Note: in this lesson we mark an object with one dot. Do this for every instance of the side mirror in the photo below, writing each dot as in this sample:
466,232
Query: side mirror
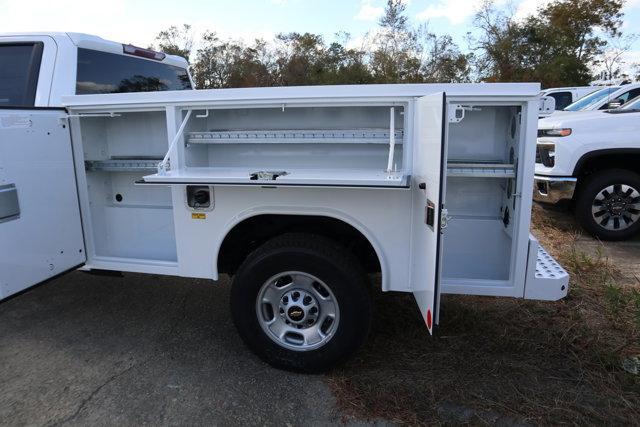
616,103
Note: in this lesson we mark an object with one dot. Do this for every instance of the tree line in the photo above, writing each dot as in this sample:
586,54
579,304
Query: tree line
560,45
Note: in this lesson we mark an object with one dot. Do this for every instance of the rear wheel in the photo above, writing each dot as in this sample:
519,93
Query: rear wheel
301,302
608,204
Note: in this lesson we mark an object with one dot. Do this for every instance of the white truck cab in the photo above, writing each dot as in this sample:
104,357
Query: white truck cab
564,96
296,192
38,69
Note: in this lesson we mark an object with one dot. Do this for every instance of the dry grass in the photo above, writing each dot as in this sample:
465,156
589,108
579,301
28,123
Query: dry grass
499,360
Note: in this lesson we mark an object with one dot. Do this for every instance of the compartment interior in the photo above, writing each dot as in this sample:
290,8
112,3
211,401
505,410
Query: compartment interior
303,145
319,144
480,186
128,221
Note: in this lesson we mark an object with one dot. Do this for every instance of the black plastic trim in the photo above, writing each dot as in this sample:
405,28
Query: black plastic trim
594,154
8,107
34,72
436,285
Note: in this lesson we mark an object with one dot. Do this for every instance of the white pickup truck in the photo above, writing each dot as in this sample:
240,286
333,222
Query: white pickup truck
607,98
565,96
592,160
38,69
295,192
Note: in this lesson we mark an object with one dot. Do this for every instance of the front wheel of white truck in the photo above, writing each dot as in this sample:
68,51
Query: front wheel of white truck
301,302
608,204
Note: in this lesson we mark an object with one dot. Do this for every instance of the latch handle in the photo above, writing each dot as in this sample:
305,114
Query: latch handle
9,205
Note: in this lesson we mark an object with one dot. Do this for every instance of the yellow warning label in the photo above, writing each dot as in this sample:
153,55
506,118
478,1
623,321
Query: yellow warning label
196,215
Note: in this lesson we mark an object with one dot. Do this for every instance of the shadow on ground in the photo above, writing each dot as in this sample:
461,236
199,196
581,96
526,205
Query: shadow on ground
141,350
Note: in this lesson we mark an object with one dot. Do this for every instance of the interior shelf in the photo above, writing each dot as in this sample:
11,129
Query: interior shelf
290,136
123,165
480,170
291,177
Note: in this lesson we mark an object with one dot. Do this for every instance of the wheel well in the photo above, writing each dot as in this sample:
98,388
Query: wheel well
605,159
249,234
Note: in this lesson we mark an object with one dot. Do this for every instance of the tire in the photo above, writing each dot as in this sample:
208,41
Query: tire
325,276
608,204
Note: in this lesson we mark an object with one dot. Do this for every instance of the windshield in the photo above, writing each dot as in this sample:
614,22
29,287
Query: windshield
591,99
634,104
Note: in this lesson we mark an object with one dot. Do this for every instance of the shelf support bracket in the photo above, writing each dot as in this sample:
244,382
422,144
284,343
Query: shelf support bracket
162,166
392,138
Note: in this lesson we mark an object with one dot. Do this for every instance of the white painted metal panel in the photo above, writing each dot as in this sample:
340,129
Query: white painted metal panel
313,94
46,238
426,187
321,176
546,279
381,215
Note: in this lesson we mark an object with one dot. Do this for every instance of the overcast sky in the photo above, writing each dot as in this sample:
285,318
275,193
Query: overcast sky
138,21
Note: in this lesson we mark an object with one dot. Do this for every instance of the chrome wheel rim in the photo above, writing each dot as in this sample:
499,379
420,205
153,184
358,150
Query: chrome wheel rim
297,311
616,207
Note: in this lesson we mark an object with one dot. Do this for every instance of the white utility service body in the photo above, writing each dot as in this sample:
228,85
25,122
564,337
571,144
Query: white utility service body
431,176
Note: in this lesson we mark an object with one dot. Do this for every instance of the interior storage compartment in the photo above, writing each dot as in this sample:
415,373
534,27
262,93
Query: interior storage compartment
128,221
477,249
480,195
347,145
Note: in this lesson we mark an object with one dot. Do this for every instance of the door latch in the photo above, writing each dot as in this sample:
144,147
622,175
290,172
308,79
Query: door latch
456,114
444,219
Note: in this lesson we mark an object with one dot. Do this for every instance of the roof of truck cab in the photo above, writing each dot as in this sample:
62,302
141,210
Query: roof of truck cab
301,93
90,41
571,88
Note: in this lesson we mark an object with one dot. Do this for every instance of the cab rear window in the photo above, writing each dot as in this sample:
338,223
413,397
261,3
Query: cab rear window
19,70
103,72
563,99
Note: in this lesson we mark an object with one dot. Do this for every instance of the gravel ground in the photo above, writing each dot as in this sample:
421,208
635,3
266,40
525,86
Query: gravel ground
141,349
144,349
624,255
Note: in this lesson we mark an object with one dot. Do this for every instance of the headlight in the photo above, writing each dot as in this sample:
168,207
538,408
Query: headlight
554,132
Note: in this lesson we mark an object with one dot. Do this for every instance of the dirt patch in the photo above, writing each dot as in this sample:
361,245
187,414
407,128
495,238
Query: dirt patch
505,361
624,256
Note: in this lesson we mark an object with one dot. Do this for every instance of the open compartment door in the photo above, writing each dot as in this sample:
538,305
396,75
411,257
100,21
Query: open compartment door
427,190
40,229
